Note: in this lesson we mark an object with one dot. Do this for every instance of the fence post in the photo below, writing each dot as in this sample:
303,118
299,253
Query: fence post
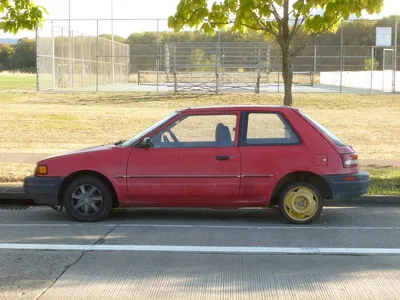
158,65
394,57
70,62
258,83
83,62
104,62
62,60
315,66
73,58
372,69
175,78
217,58
53,57
279,54
269,63
90,60
128,53
383,70
97,57
158,55
37,59
341,56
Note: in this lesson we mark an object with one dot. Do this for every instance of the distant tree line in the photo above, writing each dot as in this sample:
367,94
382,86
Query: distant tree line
143,46
21,56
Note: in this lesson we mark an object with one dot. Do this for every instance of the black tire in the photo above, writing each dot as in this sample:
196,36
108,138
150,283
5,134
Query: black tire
291,212
101,190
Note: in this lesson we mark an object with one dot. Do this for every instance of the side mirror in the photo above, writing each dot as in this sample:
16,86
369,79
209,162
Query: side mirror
146,143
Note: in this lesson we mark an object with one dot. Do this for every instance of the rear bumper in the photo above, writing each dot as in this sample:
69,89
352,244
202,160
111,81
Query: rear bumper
43,190
344,189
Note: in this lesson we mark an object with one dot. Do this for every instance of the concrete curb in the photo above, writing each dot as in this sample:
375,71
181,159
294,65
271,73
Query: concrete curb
372,200
14,195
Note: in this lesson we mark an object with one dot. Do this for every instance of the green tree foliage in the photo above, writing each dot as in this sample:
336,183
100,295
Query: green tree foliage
368,62
117,38
201,62
281,20
6,53
24,57
21,56
143,46
20,14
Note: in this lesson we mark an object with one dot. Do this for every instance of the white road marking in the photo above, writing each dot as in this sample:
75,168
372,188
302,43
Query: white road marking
300,227
205,249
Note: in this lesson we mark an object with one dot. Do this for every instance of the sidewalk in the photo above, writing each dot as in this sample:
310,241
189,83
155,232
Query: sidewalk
14,194
32,158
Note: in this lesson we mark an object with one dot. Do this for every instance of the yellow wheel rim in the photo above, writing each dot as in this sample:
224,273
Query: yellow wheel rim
301,203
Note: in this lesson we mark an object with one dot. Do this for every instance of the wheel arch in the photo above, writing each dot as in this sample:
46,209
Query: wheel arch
67,180
313,178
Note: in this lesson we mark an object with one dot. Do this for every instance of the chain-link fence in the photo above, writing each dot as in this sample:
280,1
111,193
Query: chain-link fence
68,59
150,57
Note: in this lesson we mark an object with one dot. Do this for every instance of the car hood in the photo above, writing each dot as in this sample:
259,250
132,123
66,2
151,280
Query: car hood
82,151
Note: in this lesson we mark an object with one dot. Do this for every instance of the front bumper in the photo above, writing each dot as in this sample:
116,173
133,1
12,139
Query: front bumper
344,189
43,190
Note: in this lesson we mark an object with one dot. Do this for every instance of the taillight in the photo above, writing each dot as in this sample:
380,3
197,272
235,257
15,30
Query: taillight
350,160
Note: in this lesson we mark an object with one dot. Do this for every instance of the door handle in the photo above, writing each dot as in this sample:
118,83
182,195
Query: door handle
224,157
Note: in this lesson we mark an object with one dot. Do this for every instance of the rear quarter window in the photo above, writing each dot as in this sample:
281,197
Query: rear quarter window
268,129
338,142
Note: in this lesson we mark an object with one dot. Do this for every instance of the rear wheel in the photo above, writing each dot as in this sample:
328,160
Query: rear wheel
300,202
87,199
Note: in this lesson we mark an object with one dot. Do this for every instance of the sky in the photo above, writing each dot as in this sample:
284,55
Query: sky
128,9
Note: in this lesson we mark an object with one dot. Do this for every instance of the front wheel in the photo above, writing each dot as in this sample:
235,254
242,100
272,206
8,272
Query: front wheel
300,202
87,199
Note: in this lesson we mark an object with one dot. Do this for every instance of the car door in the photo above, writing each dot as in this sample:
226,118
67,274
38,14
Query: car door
194,161
268,146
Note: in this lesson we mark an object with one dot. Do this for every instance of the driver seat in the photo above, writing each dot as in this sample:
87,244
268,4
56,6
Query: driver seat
223,135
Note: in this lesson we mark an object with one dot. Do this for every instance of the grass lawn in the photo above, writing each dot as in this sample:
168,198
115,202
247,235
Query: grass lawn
17,82
384,180
32,122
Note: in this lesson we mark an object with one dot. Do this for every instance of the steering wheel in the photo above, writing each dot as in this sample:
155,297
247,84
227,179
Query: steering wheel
173,136
166,140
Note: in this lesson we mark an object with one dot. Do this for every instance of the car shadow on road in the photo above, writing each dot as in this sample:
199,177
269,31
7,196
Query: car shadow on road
182,214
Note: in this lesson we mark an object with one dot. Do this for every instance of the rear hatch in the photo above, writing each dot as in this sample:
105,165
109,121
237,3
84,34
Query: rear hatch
347,153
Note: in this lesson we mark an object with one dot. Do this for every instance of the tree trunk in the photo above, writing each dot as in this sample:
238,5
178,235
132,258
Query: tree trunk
287,73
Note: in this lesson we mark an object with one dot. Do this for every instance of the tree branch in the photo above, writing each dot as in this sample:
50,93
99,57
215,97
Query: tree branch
276,15
311,36
285,33
231,22
294,29
301,47
274,33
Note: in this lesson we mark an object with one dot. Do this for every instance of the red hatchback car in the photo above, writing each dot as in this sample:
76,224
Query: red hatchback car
215,157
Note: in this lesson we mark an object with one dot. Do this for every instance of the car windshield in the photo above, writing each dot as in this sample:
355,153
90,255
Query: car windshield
338,142
137,137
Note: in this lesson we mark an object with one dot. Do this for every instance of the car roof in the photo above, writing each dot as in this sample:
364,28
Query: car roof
236,108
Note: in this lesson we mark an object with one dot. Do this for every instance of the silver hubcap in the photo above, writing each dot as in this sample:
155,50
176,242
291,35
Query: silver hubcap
87,200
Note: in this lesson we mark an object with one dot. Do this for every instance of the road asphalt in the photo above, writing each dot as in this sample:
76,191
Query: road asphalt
200,254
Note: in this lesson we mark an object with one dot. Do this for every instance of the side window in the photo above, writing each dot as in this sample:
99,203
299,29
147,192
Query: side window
198,131
269,129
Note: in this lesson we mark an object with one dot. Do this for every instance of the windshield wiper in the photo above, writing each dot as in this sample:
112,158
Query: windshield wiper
119,142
